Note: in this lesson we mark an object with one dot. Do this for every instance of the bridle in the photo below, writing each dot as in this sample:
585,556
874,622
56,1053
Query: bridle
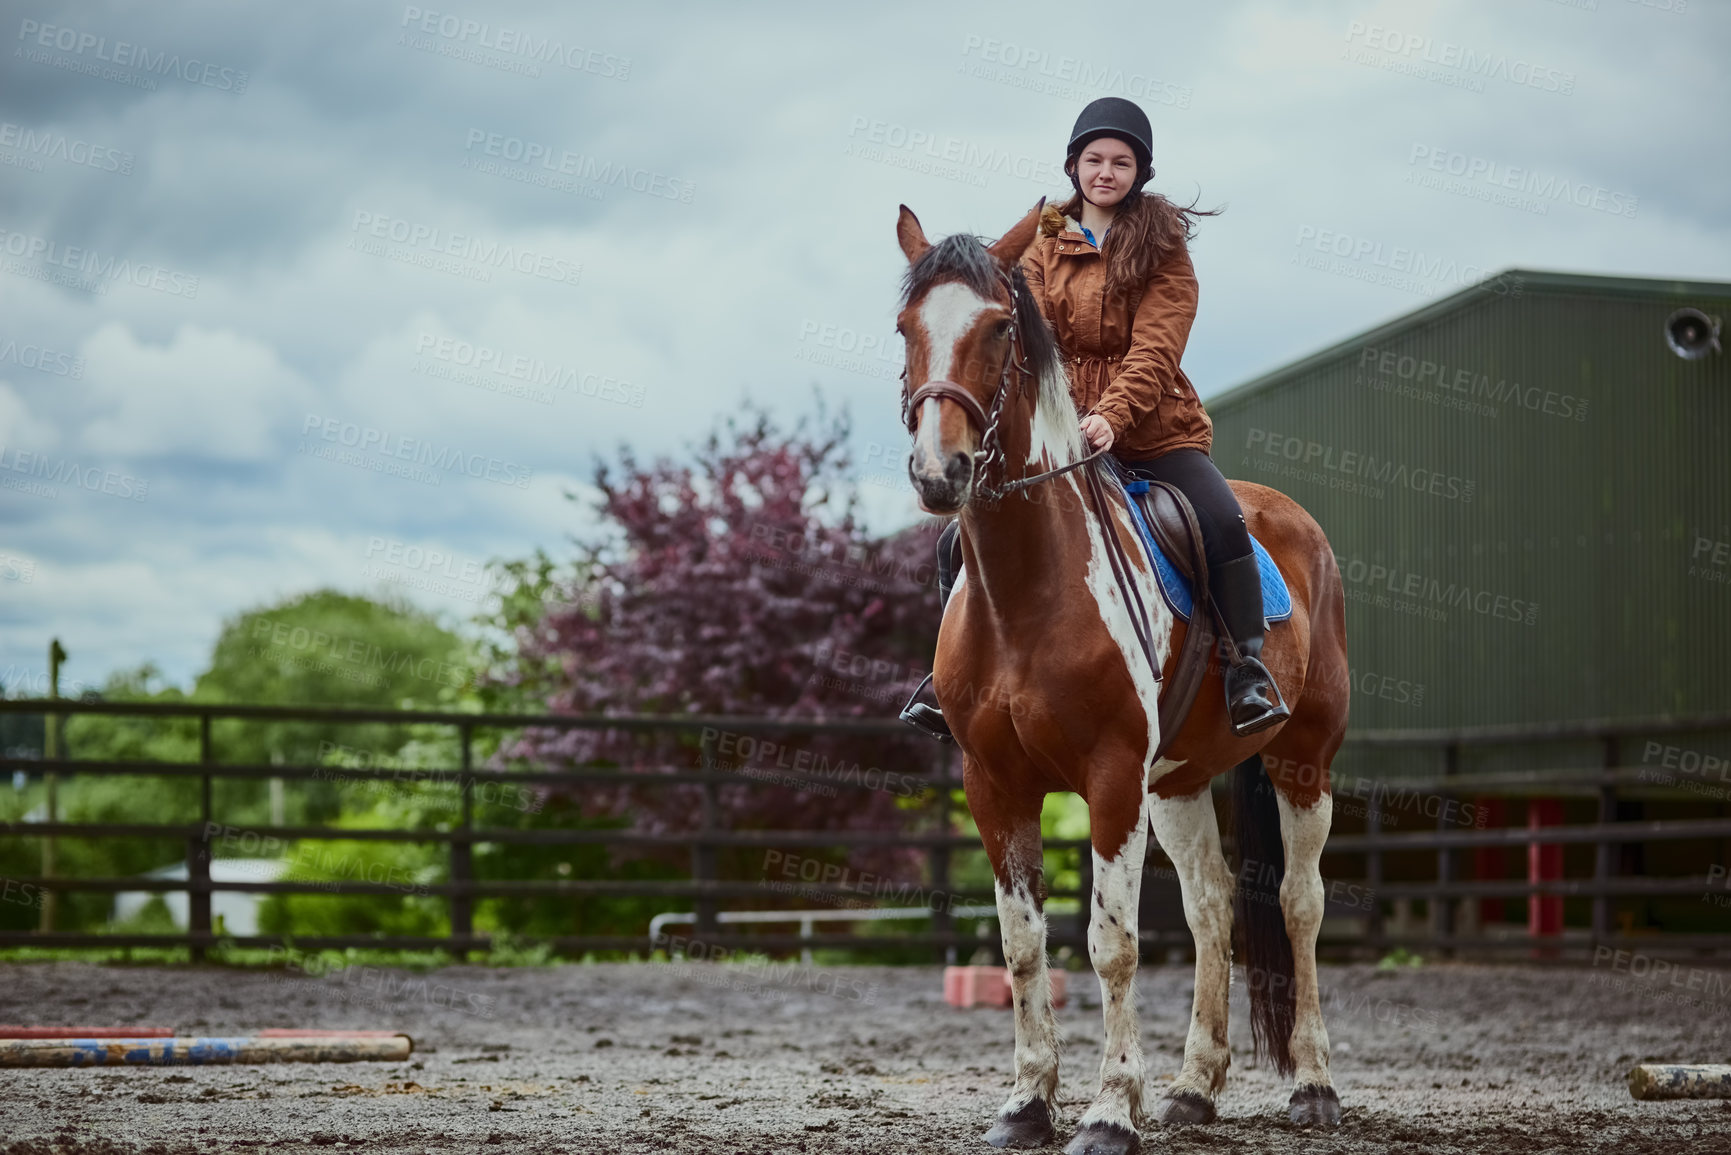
986,420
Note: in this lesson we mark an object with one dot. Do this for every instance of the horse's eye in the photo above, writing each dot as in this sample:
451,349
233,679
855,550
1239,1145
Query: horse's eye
1003,329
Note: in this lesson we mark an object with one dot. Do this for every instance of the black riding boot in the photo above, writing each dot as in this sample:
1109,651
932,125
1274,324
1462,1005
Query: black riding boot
923,716
1253,701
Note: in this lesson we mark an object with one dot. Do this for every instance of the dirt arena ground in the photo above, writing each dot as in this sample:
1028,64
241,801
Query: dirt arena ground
707,1058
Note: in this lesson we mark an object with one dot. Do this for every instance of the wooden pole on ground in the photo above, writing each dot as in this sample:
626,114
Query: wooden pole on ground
1680,1081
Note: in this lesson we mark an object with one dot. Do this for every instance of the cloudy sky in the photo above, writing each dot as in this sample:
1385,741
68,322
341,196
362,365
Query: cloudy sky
350,294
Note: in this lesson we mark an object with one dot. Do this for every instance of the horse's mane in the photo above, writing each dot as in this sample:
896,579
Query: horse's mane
963,257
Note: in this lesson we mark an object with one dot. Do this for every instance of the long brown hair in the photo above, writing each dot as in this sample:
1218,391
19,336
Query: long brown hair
1148,228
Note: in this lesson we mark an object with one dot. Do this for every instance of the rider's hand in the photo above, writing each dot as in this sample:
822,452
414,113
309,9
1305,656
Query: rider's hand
1096,432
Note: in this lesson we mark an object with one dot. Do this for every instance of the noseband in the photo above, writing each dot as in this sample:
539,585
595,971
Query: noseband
984,420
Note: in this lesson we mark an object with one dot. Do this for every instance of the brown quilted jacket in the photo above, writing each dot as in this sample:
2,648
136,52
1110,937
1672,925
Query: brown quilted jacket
1123,354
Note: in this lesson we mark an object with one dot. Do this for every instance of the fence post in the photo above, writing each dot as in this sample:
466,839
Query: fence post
1373,865
51,782
1603,864
703,857
198,853
1443,905
463,851
1085,887
942,924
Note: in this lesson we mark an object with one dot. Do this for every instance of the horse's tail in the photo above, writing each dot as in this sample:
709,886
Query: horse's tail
1261,924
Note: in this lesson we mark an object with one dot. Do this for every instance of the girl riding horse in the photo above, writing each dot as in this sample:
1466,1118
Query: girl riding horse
1111,274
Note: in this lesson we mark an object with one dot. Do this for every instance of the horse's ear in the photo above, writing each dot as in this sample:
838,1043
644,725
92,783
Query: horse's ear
1013,244
912,237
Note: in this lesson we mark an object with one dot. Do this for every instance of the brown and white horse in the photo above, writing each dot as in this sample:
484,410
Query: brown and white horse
1043,681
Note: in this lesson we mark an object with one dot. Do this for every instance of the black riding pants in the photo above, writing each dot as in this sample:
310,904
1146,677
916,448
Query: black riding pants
1224,535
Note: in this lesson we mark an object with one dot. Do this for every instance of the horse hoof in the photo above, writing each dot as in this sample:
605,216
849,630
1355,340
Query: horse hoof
1104,1139
1184,1108
1315,1105
1028,1126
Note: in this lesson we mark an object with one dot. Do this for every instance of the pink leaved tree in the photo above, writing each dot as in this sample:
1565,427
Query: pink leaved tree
740,582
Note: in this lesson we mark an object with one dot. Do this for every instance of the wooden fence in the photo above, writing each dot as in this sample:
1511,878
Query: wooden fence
1380,896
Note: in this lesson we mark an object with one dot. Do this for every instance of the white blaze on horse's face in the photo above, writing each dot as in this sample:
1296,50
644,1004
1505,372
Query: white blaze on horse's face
946,321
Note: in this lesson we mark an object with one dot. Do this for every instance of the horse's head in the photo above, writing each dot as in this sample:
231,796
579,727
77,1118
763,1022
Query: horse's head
964,310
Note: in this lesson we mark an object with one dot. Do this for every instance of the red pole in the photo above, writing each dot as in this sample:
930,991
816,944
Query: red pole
1544,864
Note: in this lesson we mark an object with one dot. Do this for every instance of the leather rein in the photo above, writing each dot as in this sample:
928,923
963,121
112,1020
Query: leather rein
991,453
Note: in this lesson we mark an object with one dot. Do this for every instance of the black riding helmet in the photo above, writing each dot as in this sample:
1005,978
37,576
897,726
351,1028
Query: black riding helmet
1117,117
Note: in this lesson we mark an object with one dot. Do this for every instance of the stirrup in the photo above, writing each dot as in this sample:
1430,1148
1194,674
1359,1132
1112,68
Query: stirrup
928,720
1248,682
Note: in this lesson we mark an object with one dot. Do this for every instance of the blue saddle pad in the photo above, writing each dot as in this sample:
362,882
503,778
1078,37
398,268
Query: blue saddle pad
1276,598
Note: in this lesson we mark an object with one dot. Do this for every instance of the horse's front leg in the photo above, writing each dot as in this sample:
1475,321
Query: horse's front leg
1109,1127
1010,828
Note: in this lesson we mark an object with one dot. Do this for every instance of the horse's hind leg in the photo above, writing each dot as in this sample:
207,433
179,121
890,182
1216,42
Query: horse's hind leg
1304,829
1011,834
1187,831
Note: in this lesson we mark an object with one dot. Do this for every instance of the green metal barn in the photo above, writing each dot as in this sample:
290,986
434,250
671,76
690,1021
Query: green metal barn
1528,487
1529,492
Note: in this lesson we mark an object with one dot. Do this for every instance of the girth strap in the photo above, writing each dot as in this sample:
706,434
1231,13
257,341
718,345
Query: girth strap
1180,536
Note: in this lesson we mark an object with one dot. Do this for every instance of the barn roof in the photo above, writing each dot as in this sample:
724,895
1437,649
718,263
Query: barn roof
1530,281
